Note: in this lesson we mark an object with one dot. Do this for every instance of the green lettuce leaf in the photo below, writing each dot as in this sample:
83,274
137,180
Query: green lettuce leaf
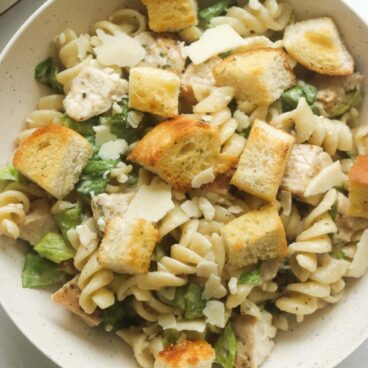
46,72
69,219
214,10
95,176
84,128
225,348
53,247
38,272
10,173
250,278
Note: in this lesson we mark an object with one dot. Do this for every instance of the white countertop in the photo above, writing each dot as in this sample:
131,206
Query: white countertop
15,350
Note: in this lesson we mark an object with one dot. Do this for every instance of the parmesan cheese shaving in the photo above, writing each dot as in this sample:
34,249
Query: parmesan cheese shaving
152,202
213,288
214,41
103,135
113,149
215,313
204,177
329,177
119,49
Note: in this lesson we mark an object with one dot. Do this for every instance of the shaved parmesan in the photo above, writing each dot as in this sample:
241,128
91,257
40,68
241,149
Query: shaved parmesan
206,268
204,177
103,135
329,177
213,288
214,41
119,49
215,313
168,321
152,202
113,149
191,209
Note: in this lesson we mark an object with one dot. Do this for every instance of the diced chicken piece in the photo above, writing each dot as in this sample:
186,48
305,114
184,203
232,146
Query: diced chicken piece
254,340
306,161
105,206
68,297
333,93
188,354
93,92
346,227
198,74
38,222
161,52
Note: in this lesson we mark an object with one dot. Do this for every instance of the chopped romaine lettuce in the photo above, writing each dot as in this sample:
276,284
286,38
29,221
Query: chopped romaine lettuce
46,72
39,272
225,348
84,128
309,91
333,211
69,219
113,316
95,176
133,176
350,100
10,173
53,247
291,97
172,337
188,298
214,10
250,278
245,132
194,304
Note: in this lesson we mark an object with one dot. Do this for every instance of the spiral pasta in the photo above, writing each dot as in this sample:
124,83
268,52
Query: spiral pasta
333,135
145,350
256,17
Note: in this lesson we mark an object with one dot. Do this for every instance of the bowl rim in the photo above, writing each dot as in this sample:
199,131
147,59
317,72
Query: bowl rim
7,309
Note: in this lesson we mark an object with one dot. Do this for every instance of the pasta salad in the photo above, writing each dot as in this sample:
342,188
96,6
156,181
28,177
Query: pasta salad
196,180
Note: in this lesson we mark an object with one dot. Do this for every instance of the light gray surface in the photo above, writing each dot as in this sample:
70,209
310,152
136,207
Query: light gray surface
15,350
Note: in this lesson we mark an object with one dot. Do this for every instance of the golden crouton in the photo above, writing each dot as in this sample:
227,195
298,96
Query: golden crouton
259,76
316,44
256,236
358,194
179,149
188,354
171,15
154,90
68,297
263,161
53,157
128,245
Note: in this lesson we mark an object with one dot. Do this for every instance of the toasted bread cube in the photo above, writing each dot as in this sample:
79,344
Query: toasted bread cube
306,161
259,76
263,161
316,44
68,297
38,222
198,74
256,236
358,194
154,90
128,245
171,15
53,157
188,354
179,149
254,338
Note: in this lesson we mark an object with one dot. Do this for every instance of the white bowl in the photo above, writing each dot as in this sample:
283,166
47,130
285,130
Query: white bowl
322,341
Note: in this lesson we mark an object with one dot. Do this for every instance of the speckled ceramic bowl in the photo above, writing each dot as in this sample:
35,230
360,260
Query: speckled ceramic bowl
321,342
